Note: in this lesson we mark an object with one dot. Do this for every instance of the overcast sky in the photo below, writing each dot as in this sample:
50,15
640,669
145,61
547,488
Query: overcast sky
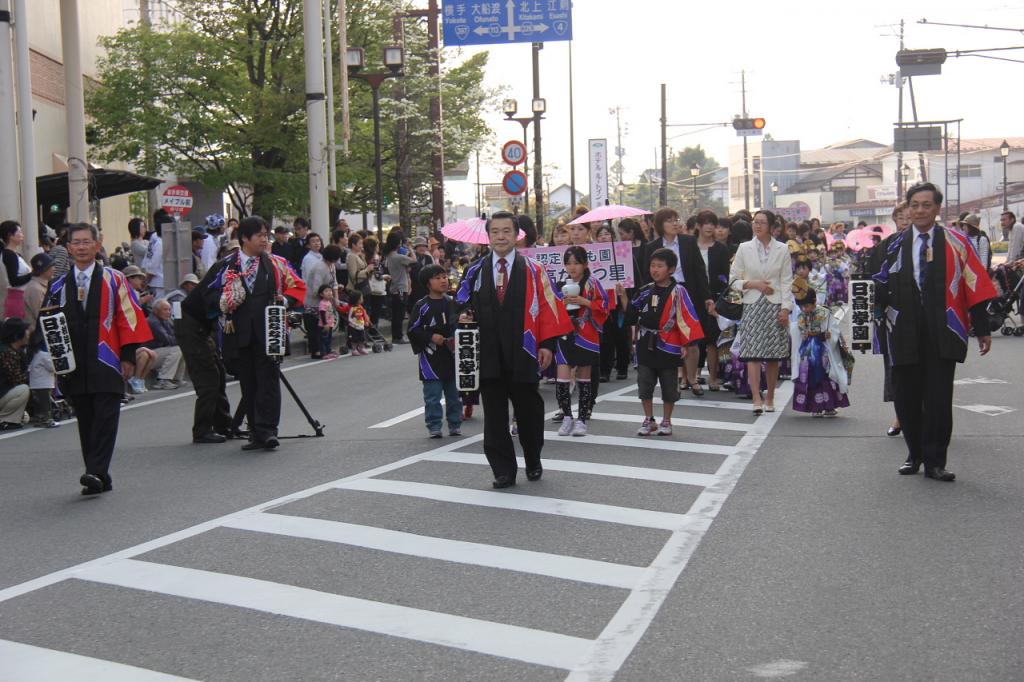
813,70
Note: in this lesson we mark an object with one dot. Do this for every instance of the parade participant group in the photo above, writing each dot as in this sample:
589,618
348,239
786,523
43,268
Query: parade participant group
748,297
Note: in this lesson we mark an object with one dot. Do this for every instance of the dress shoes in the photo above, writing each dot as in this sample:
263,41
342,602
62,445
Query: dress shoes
504,482
909,468
894,431
210,437
235,434
92,484
268,444
534,474
939,474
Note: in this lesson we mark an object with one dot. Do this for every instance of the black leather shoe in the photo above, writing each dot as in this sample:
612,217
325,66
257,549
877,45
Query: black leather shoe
210,437
504,482
235,434
108,483
254,445
534,474
271,444
909,468
894,431
93,484
939,474
604,378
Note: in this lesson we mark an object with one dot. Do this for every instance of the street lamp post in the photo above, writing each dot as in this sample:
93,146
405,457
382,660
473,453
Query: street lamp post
510,107
694,172
621,189
1004,151
905,174
775,191
394,59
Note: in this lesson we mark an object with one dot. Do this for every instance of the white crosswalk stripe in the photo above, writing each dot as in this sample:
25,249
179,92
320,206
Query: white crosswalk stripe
582,658
24,662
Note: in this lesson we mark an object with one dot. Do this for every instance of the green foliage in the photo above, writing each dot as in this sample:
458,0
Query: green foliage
644,194
219,98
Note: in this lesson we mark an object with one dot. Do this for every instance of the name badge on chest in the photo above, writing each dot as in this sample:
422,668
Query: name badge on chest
81,294
500,281
655,300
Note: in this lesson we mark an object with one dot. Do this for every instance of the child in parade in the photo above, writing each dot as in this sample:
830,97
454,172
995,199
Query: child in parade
588,305
358,318
42,379
839,265
818,276
328,320
821,381
666,322
431,328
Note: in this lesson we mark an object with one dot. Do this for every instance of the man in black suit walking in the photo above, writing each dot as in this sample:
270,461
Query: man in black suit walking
932,288
249,281
107,326
519,313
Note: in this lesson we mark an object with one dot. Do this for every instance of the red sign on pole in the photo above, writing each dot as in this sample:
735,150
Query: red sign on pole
177,200
513,153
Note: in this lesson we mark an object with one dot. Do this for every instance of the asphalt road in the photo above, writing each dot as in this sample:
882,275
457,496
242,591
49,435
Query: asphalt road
739,548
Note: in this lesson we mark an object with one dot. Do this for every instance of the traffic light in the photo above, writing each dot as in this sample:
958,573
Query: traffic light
748,123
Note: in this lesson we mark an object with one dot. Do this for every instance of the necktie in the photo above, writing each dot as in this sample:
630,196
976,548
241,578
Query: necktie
83,288
502,280
250,272
923,264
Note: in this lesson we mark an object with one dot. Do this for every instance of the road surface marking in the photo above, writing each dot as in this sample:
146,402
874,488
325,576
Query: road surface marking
594,468
780,668
988,410
647,443
443,549
470,634
630,623
21,662
629,516
685,402
676,421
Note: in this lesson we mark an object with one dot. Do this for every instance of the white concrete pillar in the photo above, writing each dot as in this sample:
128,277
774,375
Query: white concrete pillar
10,202
316,115
26,135
74,107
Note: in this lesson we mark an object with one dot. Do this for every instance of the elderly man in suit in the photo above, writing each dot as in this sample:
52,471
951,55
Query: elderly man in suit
932,289
520,313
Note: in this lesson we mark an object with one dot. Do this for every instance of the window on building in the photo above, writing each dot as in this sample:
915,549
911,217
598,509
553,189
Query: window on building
970,170
842,197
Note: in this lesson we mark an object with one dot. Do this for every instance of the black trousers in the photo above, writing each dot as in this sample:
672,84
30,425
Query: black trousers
212,411
261,391
311,321
98,415
528,404
398,305
923,397
615,346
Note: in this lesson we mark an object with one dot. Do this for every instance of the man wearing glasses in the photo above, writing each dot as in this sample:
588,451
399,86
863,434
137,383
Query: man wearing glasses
107,327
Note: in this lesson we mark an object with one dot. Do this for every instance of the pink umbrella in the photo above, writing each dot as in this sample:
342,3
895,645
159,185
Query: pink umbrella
471,231
882,231
609,212
862,238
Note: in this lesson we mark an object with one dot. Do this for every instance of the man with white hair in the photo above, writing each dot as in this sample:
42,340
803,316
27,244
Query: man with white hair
168,366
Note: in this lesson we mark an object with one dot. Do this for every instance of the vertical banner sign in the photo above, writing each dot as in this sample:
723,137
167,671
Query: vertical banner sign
467,360
598,173
862,305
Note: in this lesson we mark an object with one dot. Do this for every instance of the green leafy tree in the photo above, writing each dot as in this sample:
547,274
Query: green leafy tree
680,184
220,98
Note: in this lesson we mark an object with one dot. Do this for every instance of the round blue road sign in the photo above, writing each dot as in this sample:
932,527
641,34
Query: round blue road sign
514,182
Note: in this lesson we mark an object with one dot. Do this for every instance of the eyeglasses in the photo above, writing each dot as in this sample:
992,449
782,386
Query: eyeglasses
82,242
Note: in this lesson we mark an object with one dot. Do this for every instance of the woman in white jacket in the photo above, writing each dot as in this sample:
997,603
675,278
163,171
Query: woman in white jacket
762,271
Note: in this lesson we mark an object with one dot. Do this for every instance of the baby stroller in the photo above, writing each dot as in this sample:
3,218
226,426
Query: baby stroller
377,340
1004,309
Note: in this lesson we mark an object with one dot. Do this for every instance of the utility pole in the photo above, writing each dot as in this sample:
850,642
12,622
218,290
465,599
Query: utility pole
538,168
316,113
437,156
619,151
26,136
746,168
572,137
478,205
900,189
74,108
663,192
9,200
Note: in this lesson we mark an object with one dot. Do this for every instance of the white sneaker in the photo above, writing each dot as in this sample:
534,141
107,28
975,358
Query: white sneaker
579,428
566,428
665,429
137,385
648,427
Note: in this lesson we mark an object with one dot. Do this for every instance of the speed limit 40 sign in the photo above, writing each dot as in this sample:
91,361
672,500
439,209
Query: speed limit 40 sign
513,152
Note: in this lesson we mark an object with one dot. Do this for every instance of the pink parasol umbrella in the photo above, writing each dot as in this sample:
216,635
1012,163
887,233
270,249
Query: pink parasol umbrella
471,231
882,231
862,238
609,212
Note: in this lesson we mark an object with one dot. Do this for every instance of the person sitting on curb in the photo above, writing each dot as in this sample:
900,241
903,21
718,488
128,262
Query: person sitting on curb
14,392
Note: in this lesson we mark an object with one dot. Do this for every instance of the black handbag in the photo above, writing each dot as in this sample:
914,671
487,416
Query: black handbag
730,304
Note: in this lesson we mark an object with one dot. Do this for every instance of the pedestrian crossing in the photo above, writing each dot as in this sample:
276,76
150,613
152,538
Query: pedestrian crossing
635,590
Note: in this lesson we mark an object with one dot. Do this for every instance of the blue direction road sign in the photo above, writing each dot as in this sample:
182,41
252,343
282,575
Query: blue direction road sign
514,182
479,22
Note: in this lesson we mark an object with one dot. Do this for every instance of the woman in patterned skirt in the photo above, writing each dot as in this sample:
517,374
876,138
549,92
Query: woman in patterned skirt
762,271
